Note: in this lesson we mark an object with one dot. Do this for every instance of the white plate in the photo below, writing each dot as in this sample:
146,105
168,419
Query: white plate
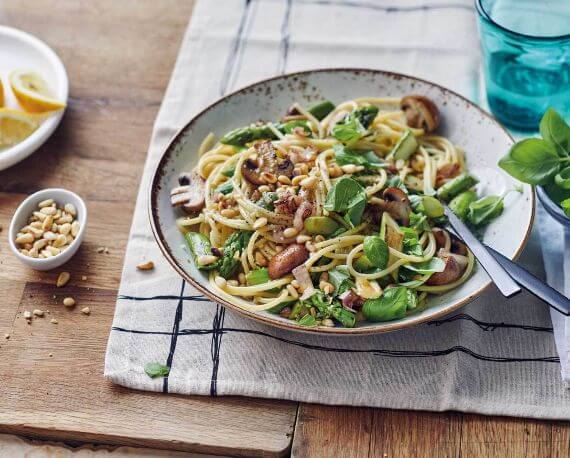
22,50
478,133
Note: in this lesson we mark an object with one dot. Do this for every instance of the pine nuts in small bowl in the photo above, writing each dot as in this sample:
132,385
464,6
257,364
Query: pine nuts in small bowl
48,228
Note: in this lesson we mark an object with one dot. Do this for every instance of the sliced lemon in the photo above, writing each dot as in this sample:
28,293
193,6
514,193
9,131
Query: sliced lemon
16,125
32,92
1,94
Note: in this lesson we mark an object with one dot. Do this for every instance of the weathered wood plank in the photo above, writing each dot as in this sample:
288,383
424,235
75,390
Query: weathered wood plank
560,440
332,431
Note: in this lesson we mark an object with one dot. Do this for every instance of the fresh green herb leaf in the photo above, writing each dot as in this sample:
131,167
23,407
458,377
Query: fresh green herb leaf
377,251
412,299
154,370
484,210
288,127
267,200
340,279
225,188
257,277
396,182
327,307
555,131
390,306
347,196
562,178
565,204
410,242
343,316
349,130
368,159
419,222
532,161
365,115
427,267
308,320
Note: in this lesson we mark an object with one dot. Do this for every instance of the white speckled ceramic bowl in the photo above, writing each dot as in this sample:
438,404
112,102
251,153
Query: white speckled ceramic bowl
478,133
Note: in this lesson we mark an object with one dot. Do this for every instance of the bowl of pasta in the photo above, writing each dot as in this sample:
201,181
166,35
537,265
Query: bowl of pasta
313,201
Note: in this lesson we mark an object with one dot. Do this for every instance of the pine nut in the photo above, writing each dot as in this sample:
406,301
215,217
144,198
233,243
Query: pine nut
48,211
206,259
311,247
33,253
319,238
326,287
36,224
327,322
303,238
283,179
86,310
348,168
220,281
39,244
309,182
24,238
53,250
69,302
46,253
45,203
259,223
25,252
264,188
47,223
228,212
290,232
75,228
40,216
62,279
60,241
38,312
53,321
149,265
70,208
269,177
54,227
49,235
65,229
27,315
296,180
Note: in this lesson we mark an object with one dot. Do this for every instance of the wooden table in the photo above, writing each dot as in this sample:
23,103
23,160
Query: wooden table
119,55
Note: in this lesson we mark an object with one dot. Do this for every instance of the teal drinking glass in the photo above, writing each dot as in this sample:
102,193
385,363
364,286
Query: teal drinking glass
526,58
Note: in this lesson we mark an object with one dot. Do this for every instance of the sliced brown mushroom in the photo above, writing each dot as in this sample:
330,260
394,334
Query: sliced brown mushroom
447,171
267,166
448,242
421,112
396,203
455,265
284,262
190,197
352,300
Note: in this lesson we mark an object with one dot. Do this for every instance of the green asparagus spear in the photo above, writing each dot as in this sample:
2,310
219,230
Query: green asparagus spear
321,109
460,204
200,246
243,135
456,186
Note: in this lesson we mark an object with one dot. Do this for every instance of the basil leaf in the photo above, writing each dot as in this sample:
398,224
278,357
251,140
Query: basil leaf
484,210
391,306
562,178
340,279
368,159
565,204
347,196
532,161
349,130
427,267
308,320
154,370
555,131
257,277
410,242
377,251
412,299
419,222
366,115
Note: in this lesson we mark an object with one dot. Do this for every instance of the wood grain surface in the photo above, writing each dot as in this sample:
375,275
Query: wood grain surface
119,55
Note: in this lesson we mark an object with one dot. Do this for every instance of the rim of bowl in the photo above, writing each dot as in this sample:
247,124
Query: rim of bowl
15,153
551,207
12,231
541,38
387,326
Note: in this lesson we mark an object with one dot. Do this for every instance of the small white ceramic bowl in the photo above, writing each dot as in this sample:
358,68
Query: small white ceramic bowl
23,212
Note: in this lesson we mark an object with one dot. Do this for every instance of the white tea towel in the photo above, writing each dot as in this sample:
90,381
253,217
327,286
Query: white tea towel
492,357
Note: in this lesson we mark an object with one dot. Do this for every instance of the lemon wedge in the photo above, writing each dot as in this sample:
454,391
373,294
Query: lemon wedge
32,92
16,125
